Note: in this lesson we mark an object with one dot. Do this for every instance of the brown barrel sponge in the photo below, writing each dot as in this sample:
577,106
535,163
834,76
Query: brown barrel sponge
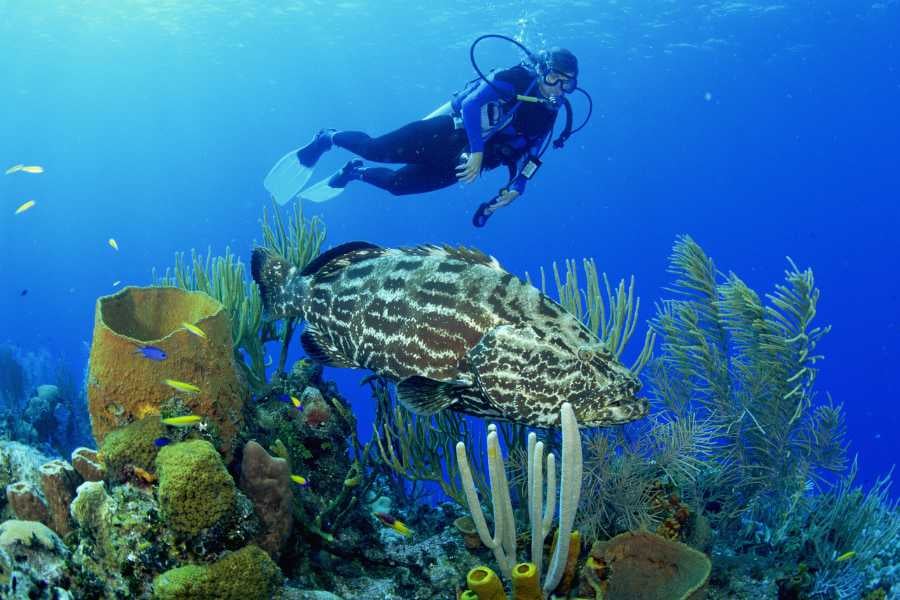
124,385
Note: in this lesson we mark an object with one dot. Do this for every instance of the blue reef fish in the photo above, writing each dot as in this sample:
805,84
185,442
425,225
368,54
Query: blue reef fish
453,330
152,353
162,441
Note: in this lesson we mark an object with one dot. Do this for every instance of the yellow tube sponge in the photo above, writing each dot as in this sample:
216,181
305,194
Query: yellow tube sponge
485,583
525,582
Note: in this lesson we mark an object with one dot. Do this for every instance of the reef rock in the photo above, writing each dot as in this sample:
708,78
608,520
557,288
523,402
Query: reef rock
19,462
122,542
267,482
124,386
33,561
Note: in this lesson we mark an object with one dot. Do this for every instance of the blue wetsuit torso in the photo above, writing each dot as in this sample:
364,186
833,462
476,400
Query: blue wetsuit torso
430,149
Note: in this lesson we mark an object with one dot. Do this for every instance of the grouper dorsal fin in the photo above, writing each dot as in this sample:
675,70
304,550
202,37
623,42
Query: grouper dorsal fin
471,256
340,256
425,396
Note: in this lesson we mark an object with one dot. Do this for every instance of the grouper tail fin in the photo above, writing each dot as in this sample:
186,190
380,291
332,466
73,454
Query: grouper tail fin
281,286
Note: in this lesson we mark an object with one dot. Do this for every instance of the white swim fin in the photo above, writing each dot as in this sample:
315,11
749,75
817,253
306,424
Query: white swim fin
285,180
332,186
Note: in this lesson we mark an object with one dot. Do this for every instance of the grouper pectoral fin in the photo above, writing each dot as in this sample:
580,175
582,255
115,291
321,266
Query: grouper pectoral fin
500,345
425,396
505,359
319,349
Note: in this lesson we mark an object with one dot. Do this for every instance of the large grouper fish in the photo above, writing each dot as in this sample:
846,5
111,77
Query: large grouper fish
453,330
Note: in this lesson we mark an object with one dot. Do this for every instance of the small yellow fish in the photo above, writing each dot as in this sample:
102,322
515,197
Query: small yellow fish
14,169
298,479
113,244
25,207
32,169
845,556
194,329
394,523
296,402
183,421
182,386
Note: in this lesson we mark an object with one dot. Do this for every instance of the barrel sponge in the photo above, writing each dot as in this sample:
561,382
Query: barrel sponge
645,565
124,386
247,574
195,490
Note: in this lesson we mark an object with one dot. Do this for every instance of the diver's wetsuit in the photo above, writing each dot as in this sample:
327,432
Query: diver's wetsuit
431,148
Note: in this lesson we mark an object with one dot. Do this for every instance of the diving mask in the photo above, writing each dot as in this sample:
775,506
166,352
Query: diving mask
554,79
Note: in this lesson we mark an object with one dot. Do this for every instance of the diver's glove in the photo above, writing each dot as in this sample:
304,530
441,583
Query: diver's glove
486,209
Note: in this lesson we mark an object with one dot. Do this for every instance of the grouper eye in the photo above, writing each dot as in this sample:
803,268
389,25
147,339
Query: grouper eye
589,352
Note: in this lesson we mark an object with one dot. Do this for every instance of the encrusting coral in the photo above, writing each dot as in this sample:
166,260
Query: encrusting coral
124,385
195,490
246,574
131,446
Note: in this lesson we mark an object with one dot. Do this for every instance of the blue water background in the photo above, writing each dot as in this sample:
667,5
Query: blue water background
761,129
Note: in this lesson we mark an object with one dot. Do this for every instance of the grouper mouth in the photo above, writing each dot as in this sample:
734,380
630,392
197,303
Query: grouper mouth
605,413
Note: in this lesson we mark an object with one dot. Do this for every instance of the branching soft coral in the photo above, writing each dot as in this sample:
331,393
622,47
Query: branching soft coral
749,367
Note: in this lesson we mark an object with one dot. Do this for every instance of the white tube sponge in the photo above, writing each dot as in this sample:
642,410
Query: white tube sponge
465,474
570,494
536,496
503,511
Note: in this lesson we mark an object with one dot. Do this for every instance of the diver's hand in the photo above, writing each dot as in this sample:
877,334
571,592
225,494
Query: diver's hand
486,209
468,172
505,197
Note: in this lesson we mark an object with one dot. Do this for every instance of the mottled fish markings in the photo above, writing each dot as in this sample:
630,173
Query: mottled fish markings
453,329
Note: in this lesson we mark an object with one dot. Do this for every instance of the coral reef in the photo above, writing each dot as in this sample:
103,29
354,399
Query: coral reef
124,387
739,461
40,403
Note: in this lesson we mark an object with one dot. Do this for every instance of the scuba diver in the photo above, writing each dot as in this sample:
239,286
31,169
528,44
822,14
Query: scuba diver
503,119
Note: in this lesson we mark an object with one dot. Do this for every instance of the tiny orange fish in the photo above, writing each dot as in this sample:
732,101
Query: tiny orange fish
145,475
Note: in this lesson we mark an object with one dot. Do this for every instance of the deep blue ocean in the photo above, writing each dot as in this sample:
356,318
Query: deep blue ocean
762,129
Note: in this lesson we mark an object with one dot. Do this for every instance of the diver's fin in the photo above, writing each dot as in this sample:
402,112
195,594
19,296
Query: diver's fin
320,350
285,180
425,396
332,186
